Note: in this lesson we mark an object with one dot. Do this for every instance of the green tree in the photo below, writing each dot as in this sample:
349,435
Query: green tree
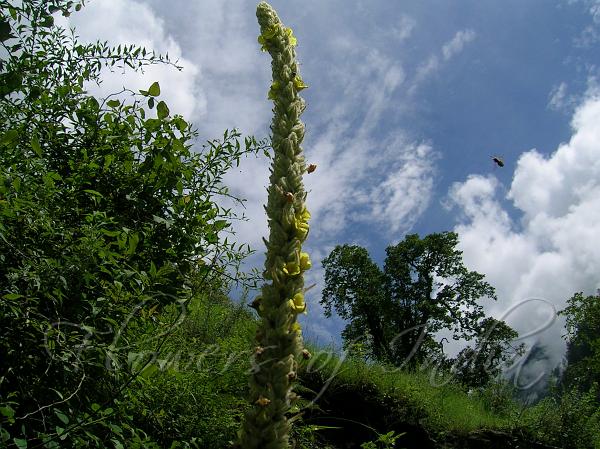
107,215
583,342
478,365
354,287
423,288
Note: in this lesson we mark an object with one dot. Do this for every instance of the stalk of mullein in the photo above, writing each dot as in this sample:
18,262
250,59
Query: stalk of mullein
279,338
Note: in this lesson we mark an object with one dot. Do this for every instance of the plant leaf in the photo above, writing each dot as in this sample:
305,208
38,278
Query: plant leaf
12,296
62,416
35,144
162,110
4,31
21,443
154,89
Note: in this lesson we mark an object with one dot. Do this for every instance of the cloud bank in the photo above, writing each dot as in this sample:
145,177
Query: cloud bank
550,252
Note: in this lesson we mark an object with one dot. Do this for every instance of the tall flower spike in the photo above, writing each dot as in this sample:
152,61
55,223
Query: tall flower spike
282,299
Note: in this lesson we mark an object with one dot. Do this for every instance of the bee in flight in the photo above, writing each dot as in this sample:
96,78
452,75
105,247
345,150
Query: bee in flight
498,161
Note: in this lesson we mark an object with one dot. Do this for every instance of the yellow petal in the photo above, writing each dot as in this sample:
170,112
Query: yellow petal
291,268
301,231
262,401
267,35
273,90
305,263
304,215
299,299
299,84
301,224
297,304
291,38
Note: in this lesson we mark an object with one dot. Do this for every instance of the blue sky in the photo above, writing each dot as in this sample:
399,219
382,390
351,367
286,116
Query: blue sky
407,103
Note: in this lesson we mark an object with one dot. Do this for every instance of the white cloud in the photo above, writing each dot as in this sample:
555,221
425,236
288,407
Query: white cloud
360,170
449,50
558,97
404,28
425,69
457,43
132,22
221,39
590,35
405,190
551,252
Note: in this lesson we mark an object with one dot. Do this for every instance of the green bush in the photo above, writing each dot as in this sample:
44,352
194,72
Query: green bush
107,217
497,397
570,420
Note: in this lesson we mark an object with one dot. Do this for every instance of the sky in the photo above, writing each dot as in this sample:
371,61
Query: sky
406,105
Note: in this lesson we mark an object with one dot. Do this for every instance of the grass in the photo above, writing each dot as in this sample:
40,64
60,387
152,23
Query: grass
195,396
194,392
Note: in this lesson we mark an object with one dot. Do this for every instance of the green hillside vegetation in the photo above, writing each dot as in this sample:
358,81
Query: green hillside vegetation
118,325
195,393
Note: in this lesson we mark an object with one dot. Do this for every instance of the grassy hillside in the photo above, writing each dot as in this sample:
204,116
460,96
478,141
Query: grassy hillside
195,393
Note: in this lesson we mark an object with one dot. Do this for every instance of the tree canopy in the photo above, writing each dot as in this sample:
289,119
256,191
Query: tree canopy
478,365
583,342
423,288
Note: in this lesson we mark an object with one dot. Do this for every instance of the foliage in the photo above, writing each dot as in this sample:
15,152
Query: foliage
423,289
353,287
384,441
570,420
583,342
194,389
497,396
476,366
107,216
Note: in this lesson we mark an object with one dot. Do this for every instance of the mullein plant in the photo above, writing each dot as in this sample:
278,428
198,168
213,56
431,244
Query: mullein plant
279,338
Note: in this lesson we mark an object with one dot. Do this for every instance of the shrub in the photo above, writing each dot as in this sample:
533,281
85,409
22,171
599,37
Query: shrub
106,217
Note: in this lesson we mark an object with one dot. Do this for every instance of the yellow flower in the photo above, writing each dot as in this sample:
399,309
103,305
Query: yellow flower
297,266
266,36
297,304
273,90
304,215
291,268
305,263
292,39
299,84
262,401
301,224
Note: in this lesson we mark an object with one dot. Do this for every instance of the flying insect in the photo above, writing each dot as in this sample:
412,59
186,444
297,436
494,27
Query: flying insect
498,161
